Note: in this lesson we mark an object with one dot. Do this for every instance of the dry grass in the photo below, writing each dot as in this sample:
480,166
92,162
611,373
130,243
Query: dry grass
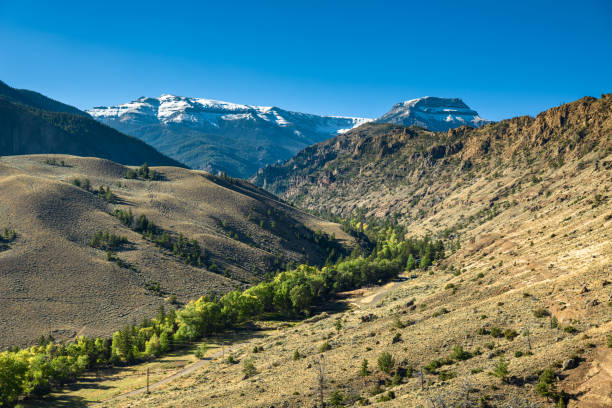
52,282
509,266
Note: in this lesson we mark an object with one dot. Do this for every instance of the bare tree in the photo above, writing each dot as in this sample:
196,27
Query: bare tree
321,381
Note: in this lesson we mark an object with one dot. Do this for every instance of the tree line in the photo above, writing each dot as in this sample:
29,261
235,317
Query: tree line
35,370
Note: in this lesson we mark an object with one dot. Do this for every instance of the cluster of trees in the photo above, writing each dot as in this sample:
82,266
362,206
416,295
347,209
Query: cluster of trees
107,241
186,249
292,293
143,172
104,192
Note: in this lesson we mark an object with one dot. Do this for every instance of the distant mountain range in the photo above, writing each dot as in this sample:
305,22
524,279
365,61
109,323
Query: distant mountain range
221,136
240,139
31,123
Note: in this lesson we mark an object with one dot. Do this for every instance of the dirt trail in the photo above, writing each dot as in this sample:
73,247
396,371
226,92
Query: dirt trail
180,373
363,298
370,296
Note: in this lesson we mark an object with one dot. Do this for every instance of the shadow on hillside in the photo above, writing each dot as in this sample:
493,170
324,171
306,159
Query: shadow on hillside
62,401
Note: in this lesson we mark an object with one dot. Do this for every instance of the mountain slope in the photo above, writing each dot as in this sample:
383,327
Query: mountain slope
54,282
431,113
525,211
29,130
36,100
221,136
387,169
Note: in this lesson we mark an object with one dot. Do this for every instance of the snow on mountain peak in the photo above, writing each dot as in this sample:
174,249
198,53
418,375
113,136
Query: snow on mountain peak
433,113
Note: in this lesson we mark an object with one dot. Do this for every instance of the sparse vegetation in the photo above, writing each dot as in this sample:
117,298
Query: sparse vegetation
107,241
386,362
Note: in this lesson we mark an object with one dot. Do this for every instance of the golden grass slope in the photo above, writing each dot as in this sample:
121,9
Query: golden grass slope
53,282
531,235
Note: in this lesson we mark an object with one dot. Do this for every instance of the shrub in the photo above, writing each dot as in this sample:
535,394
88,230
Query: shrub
541,312
609,340
386,362
325,347
570,329
546,383
460,354
500,370
296,355
496,332
201,351
107,241
364,368
510,334
440,312
390,395
336,398
248,368
446,375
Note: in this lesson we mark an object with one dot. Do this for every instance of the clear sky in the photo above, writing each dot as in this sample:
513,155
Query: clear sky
352,58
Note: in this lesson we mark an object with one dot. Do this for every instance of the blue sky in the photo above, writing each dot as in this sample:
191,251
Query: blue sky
333,57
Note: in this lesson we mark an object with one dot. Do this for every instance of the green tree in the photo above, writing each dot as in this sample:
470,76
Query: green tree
364,372
500,370
546,385
12,374
386,362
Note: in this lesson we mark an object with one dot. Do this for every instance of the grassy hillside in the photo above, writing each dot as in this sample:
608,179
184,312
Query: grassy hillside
55,282
517,313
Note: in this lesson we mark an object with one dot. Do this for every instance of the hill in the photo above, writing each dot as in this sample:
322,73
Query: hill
36,100
409,173
221,136
33,124
54,282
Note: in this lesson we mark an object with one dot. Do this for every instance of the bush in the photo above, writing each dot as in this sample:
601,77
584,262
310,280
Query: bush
541,312
609,340
496,332
248,368
500,370
570,329
336,398
546,386
364,372
201,351
107,241
390,395
460,354
440,312
297,355
386,362
446,375
510,334
325,347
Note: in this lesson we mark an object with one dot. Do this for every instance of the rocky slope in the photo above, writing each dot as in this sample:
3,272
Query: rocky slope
54,282
393,170
221,136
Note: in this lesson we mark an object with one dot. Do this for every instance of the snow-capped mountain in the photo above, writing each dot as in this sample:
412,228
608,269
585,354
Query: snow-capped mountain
436,114
221,136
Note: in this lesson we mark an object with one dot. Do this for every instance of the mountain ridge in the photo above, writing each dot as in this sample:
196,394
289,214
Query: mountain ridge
221,136
240,139
28,129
